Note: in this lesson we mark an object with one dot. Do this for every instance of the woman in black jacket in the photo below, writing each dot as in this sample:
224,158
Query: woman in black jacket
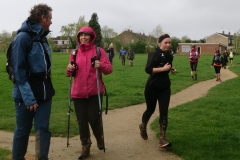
157,88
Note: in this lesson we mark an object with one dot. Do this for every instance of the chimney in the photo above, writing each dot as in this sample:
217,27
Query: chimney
229,33
223,32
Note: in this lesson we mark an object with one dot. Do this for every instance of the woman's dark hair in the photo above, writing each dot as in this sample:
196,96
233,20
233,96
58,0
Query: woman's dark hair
37,11
162,37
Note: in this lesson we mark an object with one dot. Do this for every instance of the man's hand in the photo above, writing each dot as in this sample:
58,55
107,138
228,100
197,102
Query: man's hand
32,107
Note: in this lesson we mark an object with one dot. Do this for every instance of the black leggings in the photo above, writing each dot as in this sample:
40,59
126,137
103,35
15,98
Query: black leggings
152,95
87,112
217,69
193,66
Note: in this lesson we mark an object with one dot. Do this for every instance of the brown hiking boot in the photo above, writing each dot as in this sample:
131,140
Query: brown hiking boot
100,143
163,143
143,132
85,152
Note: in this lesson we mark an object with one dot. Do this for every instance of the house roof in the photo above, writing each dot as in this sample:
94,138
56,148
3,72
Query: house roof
60,38
139,36
222,34
226,35
202,44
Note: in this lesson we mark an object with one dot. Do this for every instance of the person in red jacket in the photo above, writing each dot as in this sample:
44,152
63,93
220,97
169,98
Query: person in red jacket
193,57
84,91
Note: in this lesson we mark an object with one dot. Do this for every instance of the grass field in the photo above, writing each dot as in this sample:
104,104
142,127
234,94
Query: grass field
125,87
208,128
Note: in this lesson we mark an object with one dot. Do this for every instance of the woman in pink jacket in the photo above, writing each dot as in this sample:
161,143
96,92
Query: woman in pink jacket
84,92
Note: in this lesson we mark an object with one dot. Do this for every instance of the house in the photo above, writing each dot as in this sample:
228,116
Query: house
205,48
128,36
61,42
225,39
216,41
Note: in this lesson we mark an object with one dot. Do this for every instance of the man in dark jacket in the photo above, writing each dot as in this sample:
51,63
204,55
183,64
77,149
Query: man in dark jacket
130,56
110,52
33,90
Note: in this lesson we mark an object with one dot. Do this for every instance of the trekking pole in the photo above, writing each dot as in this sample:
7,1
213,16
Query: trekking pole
106,110
69,108
100,106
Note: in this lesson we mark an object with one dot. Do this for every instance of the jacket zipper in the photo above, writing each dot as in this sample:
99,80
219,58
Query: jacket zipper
44,88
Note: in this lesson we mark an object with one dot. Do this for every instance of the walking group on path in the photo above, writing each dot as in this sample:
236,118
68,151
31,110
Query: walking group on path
33,92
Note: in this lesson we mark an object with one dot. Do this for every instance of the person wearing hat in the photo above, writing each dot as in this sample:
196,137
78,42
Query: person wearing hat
157,88
217,63
84,91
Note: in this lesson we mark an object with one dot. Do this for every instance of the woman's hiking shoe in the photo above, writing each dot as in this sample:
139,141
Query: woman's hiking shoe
85,152
164,144
143,132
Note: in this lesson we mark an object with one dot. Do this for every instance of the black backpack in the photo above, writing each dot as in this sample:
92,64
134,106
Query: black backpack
9,67
217,59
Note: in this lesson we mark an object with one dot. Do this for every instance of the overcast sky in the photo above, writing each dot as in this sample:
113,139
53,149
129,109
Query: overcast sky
194,18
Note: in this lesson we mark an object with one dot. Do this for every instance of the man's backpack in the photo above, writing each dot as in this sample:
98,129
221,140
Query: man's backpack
9,66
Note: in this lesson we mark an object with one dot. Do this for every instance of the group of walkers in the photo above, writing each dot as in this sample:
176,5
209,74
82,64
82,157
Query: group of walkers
33,89
122,55
219,61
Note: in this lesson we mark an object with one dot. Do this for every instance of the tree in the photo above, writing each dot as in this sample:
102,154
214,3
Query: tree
70,31
108,34
174,44
203,40
6,38
93,23
81,22
236,42
139,47
157,31
185,39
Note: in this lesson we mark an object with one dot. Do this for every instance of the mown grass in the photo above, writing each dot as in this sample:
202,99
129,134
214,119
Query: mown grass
4,154
125,87
208,128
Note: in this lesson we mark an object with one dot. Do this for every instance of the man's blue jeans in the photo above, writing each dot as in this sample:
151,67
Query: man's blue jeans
24,120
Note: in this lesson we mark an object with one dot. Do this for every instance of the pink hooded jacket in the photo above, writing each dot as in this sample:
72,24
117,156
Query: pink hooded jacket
85,83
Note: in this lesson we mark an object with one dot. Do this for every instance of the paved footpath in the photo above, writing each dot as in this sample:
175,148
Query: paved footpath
122,136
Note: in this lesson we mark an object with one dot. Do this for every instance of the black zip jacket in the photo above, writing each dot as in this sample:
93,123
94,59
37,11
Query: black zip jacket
158,58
